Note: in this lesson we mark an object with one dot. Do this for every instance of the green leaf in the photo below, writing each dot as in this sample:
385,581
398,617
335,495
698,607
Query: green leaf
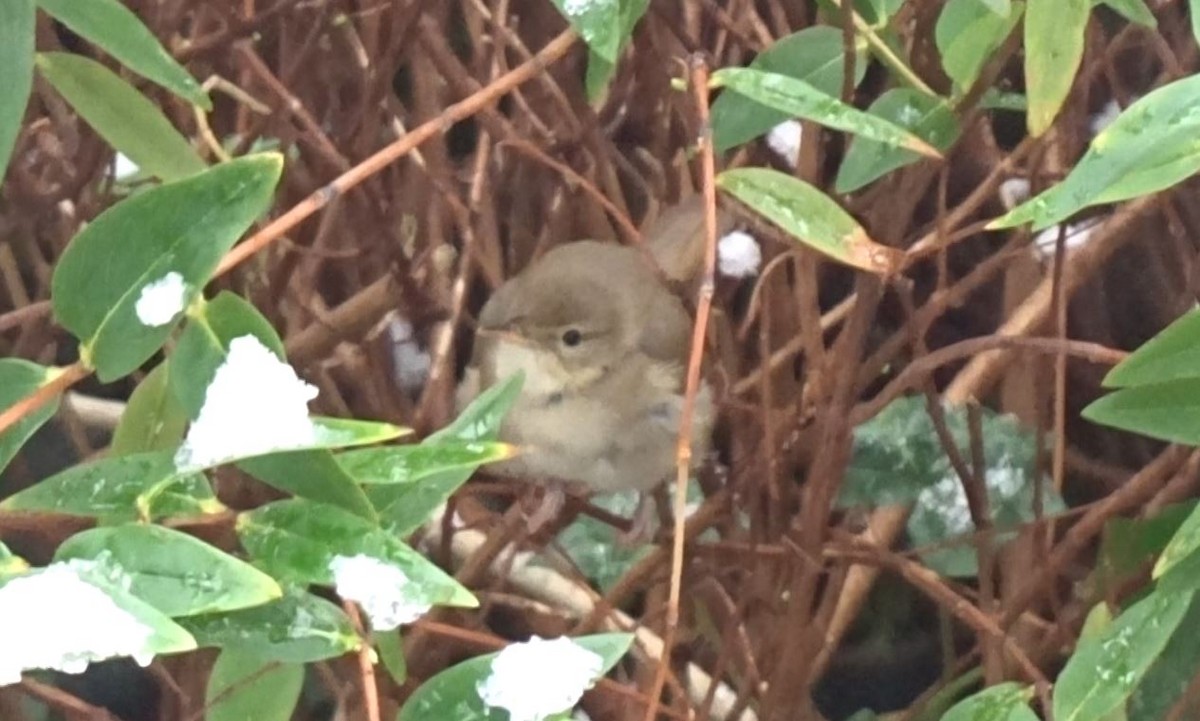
121,115
297,540
409,464
19,378
598,22
588,542
968,33
1054,39
16,57
314,475
798,98
453,694
1002,702
405,507
1194,13
204,345
298,628
814,55
244,686
1130,544
391,651
1153,144
183,227
1104,671
118,31
1168,678
172,571
809,215
118,487
11,564
1178,568
599,69
1166,411
1135,11
153,419
930,119
163,635
897,459
1173,354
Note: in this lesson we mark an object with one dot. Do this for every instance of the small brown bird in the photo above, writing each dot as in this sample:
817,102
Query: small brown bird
604,346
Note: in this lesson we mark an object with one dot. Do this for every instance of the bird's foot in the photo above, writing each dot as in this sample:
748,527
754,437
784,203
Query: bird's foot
641,527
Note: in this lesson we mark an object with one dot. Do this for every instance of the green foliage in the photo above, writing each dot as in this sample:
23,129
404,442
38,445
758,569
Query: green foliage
296,541
1054,38
10,563
298,628
968,32
1159,386
387,465
452,693
1104,670
1002,702
183,227
153,420
814,55
204,344
19,378
1152,145
1173,354
1135,11
121,115
898,460
803,211
16,57
117,487
244,686
404,507
172,571
115,28
928,118
800,99
600,69
390,648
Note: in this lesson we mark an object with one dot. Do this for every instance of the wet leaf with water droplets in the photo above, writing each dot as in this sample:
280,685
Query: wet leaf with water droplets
800,99
452,693
815,55
296,541
897,459
184,227
119,487
176,573
929,118
298,628
1104,671
405,507
1150,146
410,464
811,216
1002,702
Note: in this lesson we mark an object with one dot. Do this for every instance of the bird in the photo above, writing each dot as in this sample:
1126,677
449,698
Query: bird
603,344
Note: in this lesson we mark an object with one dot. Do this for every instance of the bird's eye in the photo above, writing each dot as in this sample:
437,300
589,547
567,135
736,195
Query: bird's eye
572,337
